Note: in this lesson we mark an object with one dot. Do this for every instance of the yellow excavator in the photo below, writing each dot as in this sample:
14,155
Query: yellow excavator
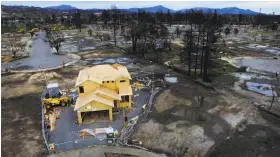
53,96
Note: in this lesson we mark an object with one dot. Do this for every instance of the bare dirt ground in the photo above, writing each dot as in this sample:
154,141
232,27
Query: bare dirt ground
21,110
257,139
180,125
21,117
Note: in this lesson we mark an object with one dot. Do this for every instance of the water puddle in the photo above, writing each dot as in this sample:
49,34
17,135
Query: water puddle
119,60
88,48
170,79
264,89
248,76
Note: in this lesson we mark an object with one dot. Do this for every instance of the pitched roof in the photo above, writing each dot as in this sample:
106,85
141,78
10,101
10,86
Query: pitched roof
125,90
84,100
101,73
108,92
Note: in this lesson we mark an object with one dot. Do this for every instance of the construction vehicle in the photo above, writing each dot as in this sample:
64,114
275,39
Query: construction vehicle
53,97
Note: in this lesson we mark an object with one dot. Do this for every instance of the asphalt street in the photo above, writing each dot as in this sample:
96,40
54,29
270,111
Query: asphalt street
41,57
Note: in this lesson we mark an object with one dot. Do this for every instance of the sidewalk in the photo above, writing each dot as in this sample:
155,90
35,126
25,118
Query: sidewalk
99,151
75,57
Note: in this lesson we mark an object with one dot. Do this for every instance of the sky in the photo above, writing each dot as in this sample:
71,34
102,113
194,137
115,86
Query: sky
266,6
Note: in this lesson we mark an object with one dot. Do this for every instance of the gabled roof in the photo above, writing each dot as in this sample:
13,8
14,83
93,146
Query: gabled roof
125,90
108,92
84,100
101,73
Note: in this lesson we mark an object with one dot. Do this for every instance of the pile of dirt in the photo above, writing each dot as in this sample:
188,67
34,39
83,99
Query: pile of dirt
41,77
167,96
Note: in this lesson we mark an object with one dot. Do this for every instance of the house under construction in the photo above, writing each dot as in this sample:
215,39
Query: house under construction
102,88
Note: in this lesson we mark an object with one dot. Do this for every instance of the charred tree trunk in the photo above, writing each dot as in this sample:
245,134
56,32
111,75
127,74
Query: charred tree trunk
115,40
202,54
134,41
206,58
189,51
197,49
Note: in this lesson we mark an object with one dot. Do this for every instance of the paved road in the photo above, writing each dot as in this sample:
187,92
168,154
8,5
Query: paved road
41,56
99,151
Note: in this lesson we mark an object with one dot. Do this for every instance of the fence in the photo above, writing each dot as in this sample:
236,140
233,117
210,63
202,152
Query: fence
82,143
43,122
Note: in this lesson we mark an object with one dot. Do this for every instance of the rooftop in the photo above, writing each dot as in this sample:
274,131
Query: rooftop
101,73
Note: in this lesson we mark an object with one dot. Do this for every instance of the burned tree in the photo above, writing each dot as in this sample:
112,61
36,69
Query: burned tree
178,31
227,31
15,44
235,31
55,38
114,18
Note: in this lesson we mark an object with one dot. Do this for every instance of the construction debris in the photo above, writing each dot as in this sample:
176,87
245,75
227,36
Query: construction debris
52,119
51,146
133,120
87,132
97,131
138,86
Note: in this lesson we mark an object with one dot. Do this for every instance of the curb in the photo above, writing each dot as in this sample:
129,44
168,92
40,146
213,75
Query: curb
75,57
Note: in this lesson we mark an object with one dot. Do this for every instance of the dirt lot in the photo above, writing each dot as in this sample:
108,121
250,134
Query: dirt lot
257,140
182,125
21,117
21,110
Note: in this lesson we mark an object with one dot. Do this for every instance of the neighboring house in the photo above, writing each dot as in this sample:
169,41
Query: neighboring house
102,88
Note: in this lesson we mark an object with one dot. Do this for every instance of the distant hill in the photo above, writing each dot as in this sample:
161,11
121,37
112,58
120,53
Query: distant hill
159,8
154,9
230,10
62,7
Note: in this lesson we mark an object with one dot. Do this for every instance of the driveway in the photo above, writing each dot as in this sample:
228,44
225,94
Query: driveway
66,134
